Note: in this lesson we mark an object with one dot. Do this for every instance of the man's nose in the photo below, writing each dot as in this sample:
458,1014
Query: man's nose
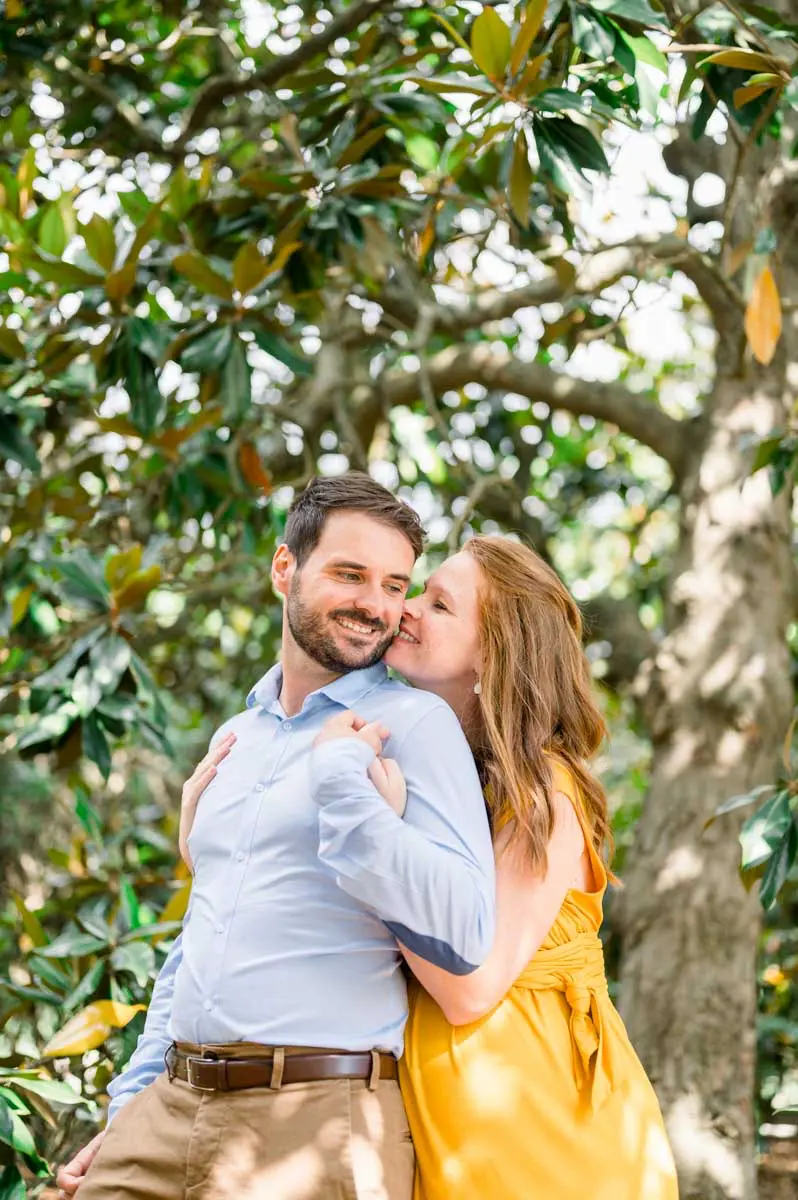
412,608
372,599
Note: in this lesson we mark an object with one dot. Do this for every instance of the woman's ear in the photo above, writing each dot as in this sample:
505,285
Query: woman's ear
283,570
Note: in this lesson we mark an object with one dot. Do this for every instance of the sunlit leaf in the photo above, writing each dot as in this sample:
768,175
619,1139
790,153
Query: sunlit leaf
534,14
520,180
90,1028
491,43
763,317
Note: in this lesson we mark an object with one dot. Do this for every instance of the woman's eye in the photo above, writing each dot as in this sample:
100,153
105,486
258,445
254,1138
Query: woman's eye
440,605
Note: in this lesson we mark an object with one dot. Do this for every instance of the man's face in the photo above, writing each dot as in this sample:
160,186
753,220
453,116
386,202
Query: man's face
344,604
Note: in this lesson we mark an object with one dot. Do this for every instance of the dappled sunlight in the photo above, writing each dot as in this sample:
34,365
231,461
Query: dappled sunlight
700,1149
683,865
239,1173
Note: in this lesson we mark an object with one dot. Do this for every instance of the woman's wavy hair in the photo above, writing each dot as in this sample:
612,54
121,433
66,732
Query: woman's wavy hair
536,696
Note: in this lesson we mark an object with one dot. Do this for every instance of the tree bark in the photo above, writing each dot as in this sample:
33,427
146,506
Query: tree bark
718,698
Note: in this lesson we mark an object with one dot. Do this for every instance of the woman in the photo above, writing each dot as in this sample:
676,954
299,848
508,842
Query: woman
519,1079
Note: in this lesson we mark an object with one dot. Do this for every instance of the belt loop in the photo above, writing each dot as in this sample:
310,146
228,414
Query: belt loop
374,1077
169,1058
278,1063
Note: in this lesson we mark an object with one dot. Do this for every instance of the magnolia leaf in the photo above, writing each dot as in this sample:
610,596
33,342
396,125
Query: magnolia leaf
534,14
90,1027
98,234
744,95
95,744
119,566
10,343
250,268
520,180
743,60
252,468
361,146
20,604
763,317
200,272
30,921
51,1090
450,29
120,284
136,587
177,905
491,43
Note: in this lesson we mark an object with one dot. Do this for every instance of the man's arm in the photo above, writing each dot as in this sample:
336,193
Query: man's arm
429,875
147,1062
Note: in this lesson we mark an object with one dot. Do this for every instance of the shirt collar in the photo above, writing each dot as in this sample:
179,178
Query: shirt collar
346,690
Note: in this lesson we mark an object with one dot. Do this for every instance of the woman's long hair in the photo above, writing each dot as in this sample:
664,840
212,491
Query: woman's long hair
536,696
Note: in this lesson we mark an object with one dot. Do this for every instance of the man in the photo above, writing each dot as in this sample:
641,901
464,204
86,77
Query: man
280,1009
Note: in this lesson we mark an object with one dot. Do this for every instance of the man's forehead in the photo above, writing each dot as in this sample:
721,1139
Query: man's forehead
362,538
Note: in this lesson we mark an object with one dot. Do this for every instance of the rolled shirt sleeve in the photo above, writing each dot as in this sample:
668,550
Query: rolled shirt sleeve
429,875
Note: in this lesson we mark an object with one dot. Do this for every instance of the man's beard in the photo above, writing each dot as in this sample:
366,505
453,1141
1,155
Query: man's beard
308,629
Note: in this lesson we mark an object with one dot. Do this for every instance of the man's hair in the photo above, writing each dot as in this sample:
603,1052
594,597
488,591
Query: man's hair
355,492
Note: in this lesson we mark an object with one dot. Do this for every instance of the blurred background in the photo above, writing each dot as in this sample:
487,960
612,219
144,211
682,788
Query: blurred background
533,266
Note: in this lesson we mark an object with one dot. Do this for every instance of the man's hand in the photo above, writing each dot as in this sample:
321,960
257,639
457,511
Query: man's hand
71,1176
387,777
348,724
195,786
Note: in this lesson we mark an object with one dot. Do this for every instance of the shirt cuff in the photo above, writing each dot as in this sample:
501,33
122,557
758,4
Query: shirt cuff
333,761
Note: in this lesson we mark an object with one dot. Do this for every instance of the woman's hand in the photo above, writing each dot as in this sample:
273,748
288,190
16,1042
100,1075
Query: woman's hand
195,786
387,777
348,724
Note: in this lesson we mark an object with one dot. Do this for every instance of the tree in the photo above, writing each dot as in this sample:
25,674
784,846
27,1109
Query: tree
362,240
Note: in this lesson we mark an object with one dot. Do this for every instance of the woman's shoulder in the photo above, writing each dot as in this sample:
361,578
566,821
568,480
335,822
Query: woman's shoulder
562,776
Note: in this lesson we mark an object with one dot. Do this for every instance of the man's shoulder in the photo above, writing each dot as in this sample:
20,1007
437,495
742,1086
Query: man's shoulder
397,698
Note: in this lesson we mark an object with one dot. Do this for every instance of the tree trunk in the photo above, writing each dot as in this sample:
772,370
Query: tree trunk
719,699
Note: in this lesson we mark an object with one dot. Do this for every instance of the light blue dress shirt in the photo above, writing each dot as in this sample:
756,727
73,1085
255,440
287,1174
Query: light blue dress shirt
304,877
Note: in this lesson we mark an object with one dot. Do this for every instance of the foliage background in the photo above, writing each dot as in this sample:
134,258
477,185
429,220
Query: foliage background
234,256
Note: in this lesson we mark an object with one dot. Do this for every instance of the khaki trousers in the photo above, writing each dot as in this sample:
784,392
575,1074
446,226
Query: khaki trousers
330,1140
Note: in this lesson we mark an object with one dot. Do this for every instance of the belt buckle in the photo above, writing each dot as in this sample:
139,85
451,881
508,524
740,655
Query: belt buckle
190,1062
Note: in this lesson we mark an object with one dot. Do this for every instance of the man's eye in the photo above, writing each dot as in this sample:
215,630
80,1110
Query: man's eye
350,576
395,589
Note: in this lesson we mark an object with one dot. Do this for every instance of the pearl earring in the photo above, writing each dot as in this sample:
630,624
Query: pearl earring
477,688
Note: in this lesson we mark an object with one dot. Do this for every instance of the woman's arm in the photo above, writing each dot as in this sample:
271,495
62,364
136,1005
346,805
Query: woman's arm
526,908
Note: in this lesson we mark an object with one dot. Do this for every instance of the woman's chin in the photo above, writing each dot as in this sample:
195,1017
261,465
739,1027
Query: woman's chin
399,657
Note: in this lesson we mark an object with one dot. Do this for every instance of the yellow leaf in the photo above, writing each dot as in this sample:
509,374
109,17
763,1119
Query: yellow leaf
248,268
19,605
743,60
491,43
90,1027
30,921
533,19
13,9
98,234
26,173
763,317
177,904
743,95
120,566
520,180
136,587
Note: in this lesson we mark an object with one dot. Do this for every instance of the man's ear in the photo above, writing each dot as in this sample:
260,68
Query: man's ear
283,570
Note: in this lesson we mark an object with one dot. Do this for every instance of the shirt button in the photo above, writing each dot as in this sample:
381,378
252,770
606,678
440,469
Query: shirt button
207,1005
220,928
241,856
287,726
260,787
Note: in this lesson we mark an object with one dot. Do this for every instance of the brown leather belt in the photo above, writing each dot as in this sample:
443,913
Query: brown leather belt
208,1073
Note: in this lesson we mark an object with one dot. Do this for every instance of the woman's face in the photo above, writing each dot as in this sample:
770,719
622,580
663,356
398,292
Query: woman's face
438,642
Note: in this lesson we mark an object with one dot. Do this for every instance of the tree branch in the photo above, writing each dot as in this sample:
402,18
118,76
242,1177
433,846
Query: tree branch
221,86
482,363
596,272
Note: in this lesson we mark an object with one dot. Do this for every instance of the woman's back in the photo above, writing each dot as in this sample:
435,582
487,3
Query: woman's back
544,1097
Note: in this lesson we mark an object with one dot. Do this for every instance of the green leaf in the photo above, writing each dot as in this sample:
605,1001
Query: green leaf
86,989
534,15
73,943
236,381
740,801
12,1186
520,180
14,443
638,11
14,1132
52,231
136,957
762,833
30,921
130,904
491,44
593,34
778,867
423,151
208,352
95,745
109,659
566,150
49,728
88,816
82,578
645,51
86,691
51,1090
282,352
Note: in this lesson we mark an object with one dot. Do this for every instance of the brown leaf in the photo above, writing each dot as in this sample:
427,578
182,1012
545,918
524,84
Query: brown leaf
199,272
120,284
252,468
520,180
763,317
533,19
136,587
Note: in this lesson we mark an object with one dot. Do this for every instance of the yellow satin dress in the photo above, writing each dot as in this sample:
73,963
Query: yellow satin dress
544,1098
